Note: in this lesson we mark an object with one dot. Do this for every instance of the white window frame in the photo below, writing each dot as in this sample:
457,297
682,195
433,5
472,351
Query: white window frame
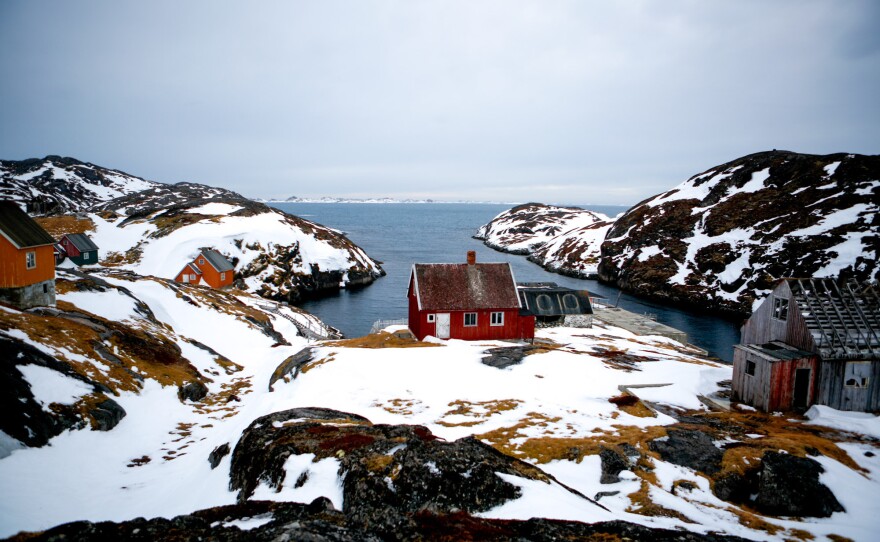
496,319
201,261
223,276
192,277
474,315
432,318
30,259
85,255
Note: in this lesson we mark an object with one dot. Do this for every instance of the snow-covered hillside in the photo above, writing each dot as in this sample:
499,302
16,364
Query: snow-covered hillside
155,229
194,370
564,240
277,255
721,239
63,185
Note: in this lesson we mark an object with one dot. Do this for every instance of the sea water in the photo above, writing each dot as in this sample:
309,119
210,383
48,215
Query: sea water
401,234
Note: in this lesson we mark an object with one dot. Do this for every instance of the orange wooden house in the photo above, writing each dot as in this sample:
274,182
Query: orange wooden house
27,259
209,267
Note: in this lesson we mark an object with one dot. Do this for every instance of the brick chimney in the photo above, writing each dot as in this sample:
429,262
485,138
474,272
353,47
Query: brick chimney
471,257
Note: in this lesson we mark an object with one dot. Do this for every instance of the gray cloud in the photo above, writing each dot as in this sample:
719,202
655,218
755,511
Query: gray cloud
574,102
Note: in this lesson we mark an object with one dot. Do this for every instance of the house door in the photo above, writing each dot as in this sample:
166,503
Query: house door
801,388
442,325
186,277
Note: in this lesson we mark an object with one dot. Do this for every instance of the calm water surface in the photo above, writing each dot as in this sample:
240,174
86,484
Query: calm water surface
402,234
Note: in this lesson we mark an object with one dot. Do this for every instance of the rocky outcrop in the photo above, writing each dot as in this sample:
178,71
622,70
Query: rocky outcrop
275,521
34,424
563,240
722,238
56,184
389,472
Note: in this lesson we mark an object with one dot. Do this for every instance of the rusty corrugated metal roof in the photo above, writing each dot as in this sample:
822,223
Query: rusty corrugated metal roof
454,286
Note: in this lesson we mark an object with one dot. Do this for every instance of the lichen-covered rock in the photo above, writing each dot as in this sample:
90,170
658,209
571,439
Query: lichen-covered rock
389,472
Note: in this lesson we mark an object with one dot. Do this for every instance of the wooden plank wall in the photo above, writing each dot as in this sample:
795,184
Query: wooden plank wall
833,393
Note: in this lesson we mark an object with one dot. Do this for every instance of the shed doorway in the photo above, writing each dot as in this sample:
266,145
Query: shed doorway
801,388
442,325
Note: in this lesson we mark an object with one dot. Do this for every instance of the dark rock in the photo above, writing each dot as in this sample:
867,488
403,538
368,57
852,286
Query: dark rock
503,357
291,365
192,391
106,414
317,523
217,455
24,418
601,494
689,448
735,487
789,486
613,462
389,472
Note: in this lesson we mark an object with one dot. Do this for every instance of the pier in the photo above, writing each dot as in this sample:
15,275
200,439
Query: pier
640,324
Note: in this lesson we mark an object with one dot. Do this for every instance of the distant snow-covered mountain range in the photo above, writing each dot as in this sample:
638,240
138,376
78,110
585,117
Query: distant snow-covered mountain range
721,239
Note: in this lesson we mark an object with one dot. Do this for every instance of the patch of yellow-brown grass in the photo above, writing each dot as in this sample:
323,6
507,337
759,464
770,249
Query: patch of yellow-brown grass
484,411
74,341
57,226
381,339
403,407
308,366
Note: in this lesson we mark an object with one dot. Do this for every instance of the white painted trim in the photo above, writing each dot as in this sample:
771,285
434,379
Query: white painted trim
515,289
414,280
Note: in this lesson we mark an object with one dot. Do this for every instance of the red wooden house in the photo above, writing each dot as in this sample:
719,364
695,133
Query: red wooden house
467,301
209,266
27,259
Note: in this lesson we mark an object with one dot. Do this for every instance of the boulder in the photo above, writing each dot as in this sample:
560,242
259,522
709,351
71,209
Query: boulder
217,455
789,486
106,414
192,391
689,448
613,462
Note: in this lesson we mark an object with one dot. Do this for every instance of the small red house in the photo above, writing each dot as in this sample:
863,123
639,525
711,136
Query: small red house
209,266
467,301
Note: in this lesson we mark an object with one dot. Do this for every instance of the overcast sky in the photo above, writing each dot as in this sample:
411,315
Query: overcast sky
555,101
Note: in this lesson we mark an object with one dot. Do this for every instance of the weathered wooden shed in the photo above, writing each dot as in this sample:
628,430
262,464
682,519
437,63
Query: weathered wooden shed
470,301
80,248
554,305
812,341
27,259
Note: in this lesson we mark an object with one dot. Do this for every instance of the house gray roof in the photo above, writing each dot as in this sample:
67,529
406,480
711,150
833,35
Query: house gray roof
217,260
452,286
82,242
20,228
842,317
549,299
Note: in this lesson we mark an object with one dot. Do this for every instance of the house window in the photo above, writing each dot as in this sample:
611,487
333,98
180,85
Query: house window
85,255
780,308
432,318
192,277
570,301
470,319
222,276
30,259
544,303
201,261
750,367
45,288
857,374
497,319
